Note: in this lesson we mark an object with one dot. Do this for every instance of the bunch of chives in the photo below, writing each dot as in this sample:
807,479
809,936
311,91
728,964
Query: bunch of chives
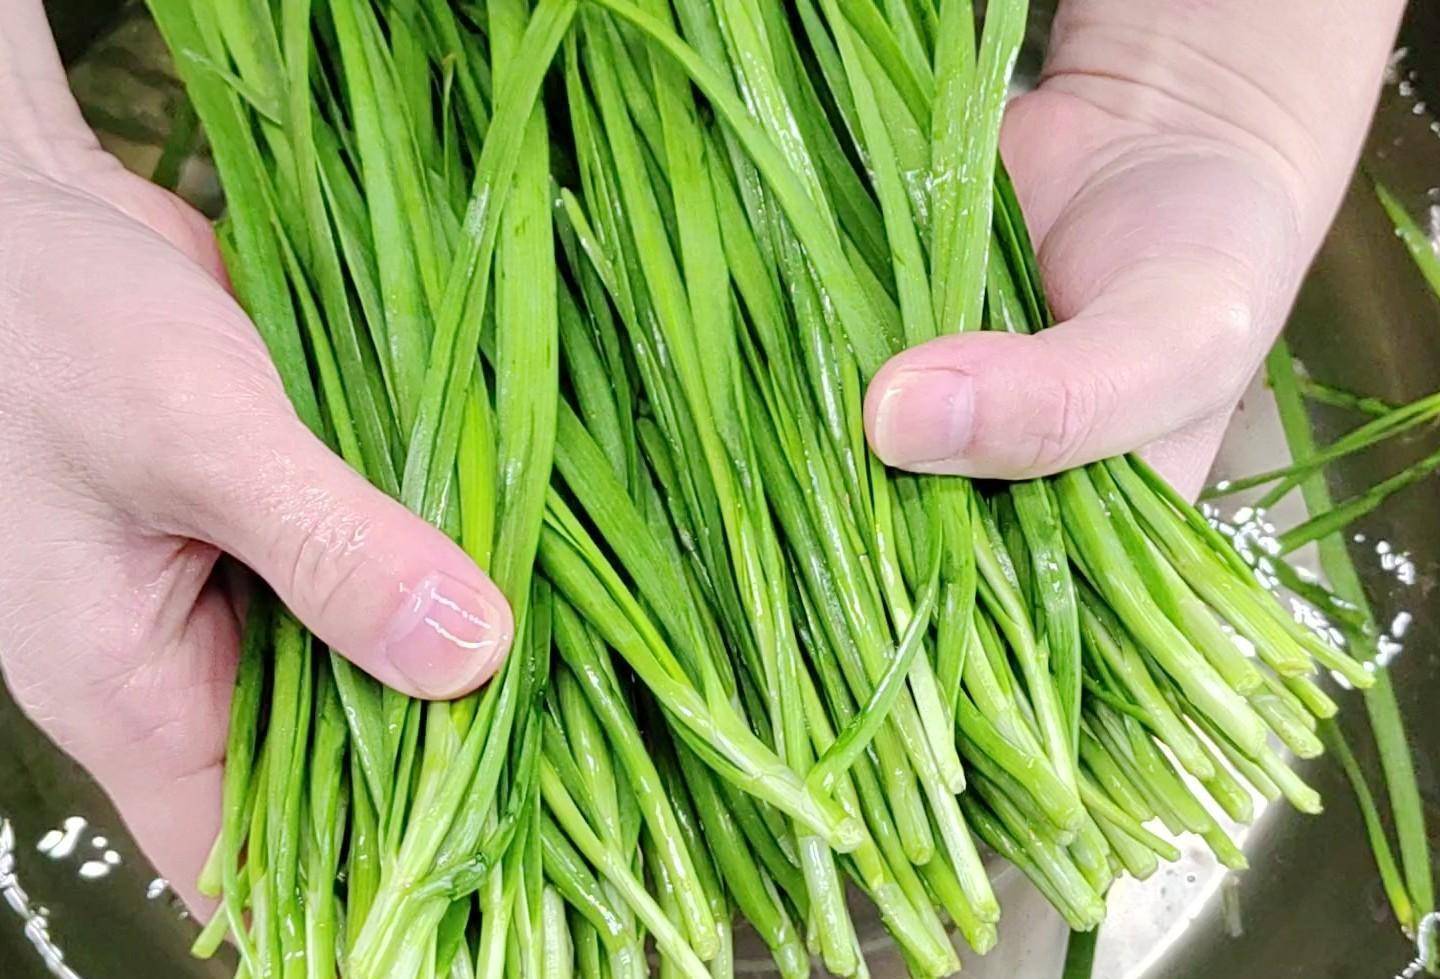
1166,580
366,262
755,664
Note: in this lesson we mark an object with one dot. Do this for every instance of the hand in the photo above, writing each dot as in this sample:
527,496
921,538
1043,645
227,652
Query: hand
1178,167
143,432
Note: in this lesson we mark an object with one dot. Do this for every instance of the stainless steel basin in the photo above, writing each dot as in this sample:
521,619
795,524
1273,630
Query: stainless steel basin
1310,906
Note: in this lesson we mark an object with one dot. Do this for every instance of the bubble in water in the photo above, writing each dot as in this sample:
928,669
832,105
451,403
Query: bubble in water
1392,67
94,869
1400,625
36,926
60,843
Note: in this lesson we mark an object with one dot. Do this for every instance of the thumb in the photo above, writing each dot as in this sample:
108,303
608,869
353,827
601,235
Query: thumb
1171,276
1117,377
375,582
379,585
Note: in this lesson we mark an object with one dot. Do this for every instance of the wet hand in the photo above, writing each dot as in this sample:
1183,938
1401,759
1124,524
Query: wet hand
1177,171
143,434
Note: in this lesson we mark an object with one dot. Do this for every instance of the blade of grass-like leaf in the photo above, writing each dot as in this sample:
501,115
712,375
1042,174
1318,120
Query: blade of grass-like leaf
325,830
1417,242
240,767
1326,394
468,74
693,835
1348,511
811,225
179,145
1407,807
526,348
429,465
910,73
589,584
955,77
1036,507
567,870
390,192
373,458
1107,640
1392,423
999,589
907,258
855,206
1281,643
580,652
362,864
288,737
613,865
962,294
856,735
1089,525
259,280
1391,878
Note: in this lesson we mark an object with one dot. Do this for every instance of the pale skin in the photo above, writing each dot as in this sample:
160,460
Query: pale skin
1178,167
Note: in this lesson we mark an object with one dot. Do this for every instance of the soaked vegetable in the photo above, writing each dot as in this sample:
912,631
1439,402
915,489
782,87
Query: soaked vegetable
597,288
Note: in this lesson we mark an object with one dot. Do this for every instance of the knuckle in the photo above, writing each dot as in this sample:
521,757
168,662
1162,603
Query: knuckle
1065,415
326,549
1233,330
1051,441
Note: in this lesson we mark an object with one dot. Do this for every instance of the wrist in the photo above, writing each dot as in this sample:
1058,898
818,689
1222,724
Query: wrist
40,124
1290,85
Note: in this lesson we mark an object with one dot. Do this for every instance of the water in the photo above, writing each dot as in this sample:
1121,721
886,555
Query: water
76,894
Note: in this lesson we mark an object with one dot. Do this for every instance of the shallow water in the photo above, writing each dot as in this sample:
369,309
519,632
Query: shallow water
1311,904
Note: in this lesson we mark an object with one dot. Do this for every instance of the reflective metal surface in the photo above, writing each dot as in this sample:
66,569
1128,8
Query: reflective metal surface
1310,906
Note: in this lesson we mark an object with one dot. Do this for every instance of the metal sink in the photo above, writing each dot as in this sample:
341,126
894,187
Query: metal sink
1309,906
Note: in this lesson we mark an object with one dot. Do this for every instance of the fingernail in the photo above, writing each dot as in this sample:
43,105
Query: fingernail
924,416
447,636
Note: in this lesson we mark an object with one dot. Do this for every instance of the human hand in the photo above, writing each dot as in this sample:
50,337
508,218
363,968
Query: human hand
1178,166
143,432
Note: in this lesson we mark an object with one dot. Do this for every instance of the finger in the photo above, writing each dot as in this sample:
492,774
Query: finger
1174,274
1010,406
372,580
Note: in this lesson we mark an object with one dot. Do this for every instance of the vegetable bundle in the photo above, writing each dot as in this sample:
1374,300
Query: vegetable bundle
596,288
